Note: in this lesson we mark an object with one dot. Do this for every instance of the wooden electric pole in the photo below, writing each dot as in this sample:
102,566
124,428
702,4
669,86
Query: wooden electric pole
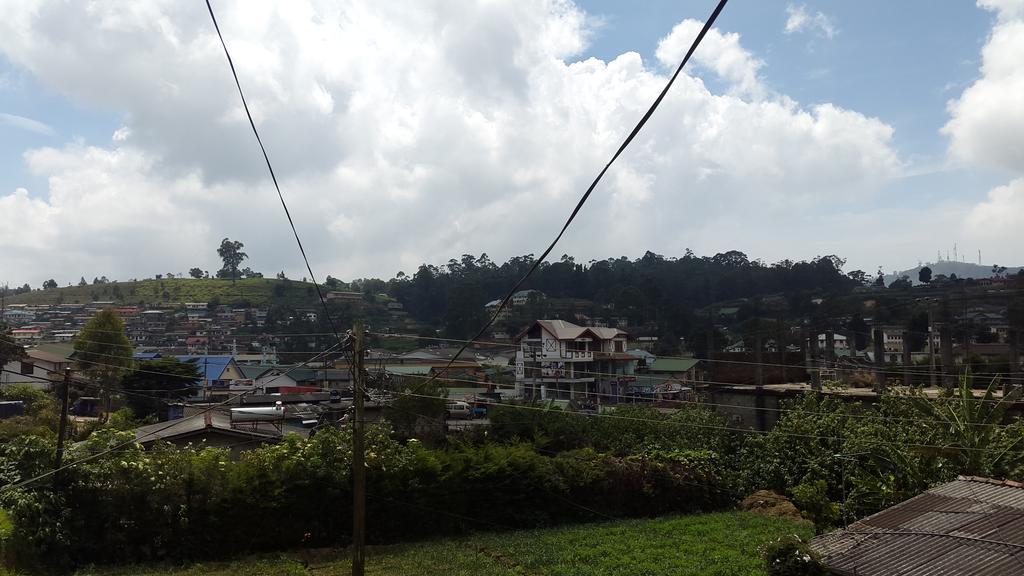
358,452
62,428
931,348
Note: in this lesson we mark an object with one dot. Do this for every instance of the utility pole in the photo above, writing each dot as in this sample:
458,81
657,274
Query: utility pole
931,348
711,345
62,429
358,466
814,358
759,368
907,359
946,346
1014,341
878,341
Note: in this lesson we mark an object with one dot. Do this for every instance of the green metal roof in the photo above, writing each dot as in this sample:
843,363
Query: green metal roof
252,371
409,370
673,364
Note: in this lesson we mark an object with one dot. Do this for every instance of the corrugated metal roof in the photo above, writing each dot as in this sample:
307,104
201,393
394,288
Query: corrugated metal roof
673,364
970,526
211,367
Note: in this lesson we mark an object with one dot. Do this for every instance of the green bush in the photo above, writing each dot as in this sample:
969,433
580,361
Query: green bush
134,505
812,500
623,430
791,556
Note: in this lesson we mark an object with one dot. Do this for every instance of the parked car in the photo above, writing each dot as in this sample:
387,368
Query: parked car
459,410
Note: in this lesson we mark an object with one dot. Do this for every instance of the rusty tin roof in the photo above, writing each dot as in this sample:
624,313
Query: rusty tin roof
970,526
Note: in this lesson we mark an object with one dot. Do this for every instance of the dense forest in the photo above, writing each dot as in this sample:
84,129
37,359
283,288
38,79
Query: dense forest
661,294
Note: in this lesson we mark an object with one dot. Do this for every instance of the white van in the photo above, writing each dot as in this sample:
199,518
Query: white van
459,410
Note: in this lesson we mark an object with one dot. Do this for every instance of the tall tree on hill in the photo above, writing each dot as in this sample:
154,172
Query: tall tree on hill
103,352
49,284
196,273
230,252
82,282
924,275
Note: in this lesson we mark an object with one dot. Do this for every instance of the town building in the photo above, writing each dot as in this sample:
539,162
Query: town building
559,360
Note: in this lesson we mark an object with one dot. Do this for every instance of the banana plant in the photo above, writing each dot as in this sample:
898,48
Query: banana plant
972,432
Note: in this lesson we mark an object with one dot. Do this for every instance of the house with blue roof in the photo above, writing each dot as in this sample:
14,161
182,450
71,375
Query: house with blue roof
218,372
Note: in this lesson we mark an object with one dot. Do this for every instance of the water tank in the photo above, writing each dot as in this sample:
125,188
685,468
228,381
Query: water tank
258,414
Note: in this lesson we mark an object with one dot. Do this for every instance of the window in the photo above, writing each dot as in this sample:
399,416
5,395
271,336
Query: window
27,368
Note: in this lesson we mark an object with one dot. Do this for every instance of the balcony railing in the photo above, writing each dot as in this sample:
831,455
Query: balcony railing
536,355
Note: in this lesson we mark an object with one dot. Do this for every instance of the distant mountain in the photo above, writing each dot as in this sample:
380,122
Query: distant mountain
948,268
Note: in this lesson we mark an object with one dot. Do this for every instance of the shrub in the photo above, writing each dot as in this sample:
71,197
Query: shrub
136,505
791,556
812,500
623,431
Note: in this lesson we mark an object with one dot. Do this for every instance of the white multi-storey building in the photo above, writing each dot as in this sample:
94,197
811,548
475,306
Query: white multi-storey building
560,360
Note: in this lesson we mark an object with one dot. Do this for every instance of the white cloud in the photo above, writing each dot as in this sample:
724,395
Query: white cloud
985,130
24,123
1006,9
411,133
1000,215
800,19
721,53
988,119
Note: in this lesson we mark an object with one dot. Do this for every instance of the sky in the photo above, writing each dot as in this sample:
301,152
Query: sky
404,133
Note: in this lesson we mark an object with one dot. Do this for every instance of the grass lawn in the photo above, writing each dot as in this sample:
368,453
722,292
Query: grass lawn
722,544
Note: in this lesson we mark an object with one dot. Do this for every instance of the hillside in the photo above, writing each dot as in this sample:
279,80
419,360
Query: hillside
255,291
948,268
724,544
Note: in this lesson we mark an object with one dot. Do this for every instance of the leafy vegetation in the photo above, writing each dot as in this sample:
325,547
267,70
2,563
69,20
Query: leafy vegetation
243,291
9,350
790,555
877,456
148,388
663,292
103,351
189,504
711,544
535,466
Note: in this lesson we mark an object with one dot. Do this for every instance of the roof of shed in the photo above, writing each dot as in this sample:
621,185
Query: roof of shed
673,364
969,526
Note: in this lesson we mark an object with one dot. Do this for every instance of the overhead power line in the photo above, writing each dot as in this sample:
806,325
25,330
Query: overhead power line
171,423
586,195
273,176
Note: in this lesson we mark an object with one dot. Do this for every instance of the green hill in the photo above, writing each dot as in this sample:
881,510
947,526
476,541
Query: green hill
254,291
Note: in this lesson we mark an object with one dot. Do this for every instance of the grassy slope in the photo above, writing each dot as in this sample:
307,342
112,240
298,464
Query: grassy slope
723,544
151,292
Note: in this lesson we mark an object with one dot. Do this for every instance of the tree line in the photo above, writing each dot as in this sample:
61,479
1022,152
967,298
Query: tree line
660,292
